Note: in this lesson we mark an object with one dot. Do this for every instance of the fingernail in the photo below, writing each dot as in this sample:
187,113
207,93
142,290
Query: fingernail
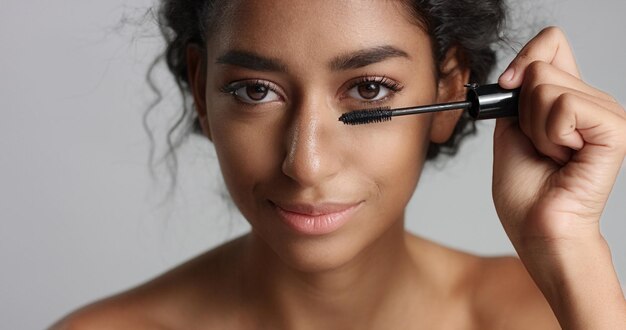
508,74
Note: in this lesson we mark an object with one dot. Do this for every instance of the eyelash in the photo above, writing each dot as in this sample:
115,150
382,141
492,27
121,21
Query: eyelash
232,87
393,86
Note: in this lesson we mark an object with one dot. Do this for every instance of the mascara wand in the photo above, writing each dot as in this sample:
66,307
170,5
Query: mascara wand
482,102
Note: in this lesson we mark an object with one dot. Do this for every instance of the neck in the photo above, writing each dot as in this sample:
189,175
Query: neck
358,291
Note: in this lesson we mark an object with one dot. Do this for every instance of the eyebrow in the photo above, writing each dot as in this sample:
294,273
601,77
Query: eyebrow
353,60
252,61
365,57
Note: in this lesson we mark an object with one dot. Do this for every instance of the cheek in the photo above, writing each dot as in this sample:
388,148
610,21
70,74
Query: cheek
392,155
248,152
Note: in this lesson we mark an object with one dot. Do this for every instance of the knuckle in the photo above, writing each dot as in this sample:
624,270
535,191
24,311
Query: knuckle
560,122
564,102
543,91
559,128
534,70
555,136
553,32
524,55
542,95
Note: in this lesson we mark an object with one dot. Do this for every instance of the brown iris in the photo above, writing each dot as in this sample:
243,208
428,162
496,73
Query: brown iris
257,92
369,91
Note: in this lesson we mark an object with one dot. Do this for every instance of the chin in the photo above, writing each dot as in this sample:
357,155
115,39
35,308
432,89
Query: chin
324,253
305,252
316,255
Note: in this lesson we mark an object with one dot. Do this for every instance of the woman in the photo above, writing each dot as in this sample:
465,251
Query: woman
326,202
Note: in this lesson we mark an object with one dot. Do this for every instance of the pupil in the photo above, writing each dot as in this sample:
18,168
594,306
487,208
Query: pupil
256,92
369,91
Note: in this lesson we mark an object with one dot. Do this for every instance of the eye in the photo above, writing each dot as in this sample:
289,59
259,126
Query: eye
253,92
372,89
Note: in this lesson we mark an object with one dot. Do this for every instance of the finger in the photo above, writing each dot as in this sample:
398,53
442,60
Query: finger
549,46
534,123
536,105
577,122
540,73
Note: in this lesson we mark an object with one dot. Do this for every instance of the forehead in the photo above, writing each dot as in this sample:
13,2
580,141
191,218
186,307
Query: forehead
304,32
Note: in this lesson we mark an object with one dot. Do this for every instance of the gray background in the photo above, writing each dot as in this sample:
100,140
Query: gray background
80,217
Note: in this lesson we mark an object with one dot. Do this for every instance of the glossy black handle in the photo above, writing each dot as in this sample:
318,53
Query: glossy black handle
492,101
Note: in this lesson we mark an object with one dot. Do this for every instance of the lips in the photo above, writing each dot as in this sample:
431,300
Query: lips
315,219
315,209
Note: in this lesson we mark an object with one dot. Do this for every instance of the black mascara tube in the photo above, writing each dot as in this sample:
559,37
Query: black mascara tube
492,101
482,102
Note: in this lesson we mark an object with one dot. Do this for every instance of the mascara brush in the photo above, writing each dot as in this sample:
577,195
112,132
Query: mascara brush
482,102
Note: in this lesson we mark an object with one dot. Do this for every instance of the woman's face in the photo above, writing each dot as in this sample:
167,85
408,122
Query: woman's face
279,75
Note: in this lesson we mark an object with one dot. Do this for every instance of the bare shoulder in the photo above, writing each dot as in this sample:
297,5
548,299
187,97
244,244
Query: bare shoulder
498,291
110,313
506,297
178,299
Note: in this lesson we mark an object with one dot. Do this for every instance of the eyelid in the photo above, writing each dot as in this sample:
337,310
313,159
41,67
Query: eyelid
232,87
392,85
235,85
382,80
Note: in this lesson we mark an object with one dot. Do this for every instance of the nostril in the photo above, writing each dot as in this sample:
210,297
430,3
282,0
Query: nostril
302,164
310,154
307,158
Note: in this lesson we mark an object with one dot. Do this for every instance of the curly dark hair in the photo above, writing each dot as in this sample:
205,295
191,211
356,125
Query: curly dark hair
473,26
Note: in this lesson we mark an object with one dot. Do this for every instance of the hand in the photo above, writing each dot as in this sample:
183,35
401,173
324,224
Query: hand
553,171
554,168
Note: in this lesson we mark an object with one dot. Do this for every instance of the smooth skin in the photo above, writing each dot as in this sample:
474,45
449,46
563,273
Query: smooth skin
552,174
552,216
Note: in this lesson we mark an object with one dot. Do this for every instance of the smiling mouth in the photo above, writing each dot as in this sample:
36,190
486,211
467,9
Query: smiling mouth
315,219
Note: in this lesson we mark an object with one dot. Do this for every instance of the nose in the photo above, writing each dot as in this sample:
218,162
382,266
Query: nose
312,146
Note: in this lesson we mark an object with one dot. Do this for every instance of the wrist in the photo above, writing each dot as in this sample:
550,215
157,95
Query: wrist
578,279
